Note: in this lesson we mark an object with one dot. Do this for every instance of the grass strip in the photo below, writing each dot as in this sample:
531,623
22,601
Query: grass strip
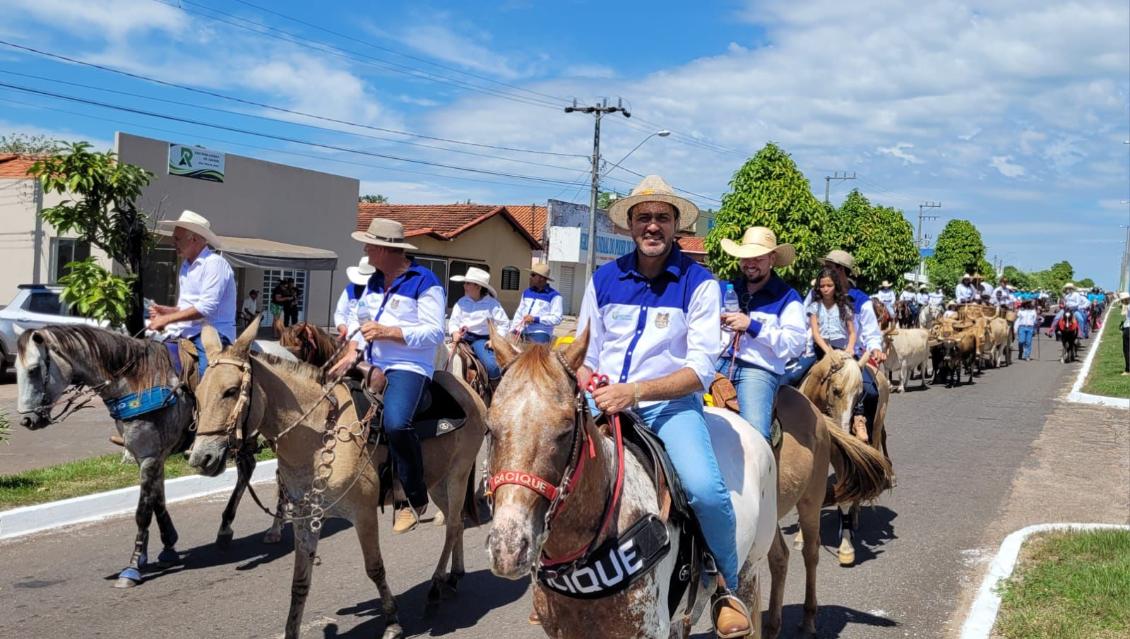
1106,376
84,477
1070,585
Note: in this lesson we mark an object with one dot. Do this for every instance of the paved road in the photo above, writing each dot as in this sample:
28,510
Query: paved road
85,434
956,452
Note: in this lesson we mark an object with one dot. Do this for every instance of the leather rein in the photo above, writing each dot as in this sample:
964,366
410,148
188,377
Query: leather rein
582,449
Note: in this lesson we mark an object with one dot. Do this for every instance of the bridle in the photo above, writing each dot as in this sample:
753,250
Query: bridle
235,427
582,449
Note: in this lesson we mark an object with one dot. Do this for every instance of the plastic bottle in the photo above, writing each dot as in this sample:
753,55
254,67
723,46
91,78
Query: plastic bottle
730,302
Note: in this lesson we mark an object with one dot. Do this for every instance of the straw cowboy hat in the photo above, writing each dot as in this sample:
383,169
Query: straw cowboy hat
923,288
542,270
967,276
384,232
359,274
191,221
885,284
1069,285
653,189
757,241
1124,297
476,275
843,258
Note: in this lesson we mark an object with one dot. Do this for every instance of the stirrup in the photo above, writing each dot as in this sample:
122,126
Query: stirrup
732,601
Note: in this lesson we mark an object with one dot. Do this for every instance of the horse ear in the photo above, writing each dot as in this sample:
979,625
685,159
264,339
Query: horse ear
504,351
575,353
243,343
212,344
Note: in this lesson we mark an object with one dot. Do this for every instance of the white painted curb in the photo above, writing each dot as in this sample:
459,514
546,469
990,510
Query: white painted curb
983,614
32,519
1077,395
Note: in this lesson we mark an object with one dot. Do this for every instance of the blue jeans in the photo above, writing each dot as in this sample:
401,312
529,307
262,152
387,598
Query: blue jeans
486,356
202,355
796,369
756,388
1024,340
1084,328
868,402
537,337
402,397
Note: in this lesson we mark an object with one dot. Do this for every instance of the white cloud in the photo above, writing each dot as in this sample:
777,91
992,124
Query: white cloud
112,18
589,71
902,152
443,43
1004,164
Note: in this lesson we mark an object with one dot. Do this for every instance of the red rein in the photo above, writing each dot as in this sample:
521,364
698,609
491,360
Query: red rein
556,495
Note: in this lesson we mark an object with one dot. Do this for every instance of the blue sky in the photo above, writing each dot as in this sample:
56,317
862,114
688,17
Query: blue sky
1012,114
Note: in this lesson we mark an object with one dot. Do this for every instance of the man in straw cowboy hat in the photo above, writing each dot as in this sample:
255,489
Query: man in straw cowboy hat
770,329
982,290
886,296
964,292
400,316
471,315
869,341
205,286
653,318
540,309
347,303
1074,302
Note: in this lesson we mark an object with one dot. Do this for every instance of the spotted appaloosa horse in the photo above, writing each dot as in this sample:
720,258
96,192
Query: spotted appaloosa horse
541,428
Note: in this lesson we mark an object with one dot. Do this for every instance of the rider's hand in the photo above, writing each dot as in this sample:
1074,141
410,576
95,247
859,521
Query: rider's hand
584,374
528,319
457,336
158,322
373,331
342,331
878,355
344,364
737,322
614,397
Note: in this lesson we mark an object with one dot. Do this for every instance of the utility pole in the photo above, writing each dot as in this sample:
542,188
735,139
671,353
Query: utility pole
598,111
828,183
918,241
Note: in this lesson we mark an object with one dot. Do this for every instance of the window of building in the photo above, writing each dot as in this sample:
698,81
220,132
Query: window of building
271,278
65,250
511,278
459,267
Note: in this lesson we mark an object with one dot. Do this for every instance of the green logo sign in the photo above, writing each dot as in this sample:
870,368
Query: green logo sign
185,156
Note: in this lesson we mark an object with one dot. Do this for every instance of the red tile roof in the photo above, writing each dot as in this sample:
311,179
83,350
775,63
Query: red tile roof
532,217
442,221
15,166
692,244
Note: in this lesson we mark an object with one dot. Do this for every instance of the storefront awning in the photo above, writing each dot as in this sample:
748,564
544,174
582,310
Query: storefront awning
256,253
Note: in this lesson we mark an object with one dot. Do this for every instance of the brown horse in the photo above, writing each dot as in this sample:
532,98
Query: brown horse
307,342
327,467
810,442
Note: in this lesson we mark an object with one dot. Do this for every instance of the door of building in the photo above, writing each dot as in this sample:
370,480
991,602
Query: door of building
565,287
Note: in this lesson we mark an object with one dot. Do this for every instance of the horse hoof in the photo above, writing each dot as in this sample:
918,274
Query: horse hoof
798,542
439,519
168,557
272,537
128,578
847,558
434,593
223,540
393,632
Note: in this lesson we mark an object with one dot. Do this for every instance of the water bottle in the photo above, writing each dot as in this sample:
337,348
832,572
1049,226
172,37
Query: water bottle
730,302
362,313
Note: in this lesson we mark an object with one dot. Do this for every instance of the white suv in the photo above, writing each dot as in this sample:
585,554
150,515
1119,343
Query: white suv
35,306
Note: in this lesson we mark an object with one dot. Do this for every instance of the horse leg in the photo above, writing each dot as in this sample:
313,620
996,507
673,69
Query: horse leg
368,533
151,473
274,533
847,533
244,465
168,555
451,493
305,550
749,592
778,572
809,514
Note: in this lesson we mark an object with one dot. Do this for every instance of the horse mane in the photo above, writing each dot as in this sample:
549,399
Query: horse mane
537,366
300,336
298,368
141,363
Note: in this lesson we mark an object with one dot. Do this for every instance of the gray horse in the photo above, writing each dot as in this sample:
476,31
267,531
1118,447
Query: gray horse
123,370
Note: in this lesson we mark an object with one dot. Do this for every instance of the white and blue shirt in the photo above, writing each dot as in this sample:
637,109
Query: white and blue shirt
546,307
923,299
641,329
887,297
414,302
936,298
347,304
777,324
868,335
1076,301
1002,297
208,285
473,315
964,293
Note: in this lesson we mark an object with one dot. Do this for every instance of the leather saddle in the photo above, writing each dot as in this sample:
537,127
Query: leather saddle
183,357
437,414
474,372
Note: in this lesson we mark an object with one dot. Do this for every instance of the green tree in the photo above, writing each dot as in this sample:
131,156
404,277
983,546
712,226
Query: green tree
769,190
371,198
105,214
879,238
958,250
1086,282
604,199
1054,277
24,144
1019,278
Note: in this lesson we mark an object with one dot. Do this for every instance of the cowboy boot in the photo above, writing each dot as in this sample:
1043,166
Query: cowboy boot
407,518
731,617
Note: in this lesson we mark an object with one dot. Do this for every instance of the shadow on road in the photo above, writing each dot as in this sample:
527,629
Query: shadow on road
875,530
480,592
831,621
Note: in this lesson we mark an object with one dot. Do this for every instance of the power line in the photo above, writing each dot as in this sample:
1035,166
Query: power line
281,138
215,94
692,193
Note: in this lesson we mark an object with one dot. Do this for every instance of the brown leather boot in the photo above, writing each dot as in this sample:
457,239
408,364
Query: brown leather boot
731,618
407,518
117,439
859,428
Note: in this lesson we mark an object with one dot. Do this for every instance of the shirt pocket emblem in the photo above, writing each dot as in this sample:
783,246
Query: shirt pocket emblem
393,304
662,320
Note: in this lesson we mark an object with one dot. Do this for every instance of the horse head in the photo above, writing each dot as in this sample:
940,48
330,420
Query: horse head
223,401
536,422
834,384
42,375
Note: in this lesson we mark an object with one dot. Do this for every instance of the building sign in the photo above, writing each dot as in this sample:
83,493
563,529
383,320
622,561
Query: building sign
569,236
196,162
925,252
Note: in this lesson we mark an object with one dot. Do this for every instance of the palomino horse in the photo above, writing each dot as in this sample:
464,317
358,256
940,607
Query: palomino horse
556,476
809,443
834,385
53,358
327,468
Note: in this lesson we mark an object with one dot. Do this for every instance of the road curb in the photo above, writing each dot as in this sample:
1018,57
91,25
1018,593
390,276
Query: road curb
27,520
983,614
1077,395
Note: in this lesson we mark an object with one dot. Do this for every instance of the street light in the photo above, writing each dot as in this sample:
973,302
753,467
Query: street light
664,133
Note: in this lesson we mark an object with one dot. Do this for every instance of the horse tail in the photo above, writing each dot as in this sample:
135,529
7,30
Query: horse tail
862,472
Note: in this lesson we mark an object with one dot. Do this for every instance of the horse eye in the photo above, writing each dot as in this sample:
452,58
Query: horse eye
231,392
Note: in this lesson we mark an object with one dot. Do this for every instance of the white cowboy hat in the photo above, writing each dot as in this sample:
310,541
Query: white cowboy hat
653,189
1068,285
1124,297
191,221
542,270
843,258
383,232
359,274
967,276
885,284
923,288
757,241
476,275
